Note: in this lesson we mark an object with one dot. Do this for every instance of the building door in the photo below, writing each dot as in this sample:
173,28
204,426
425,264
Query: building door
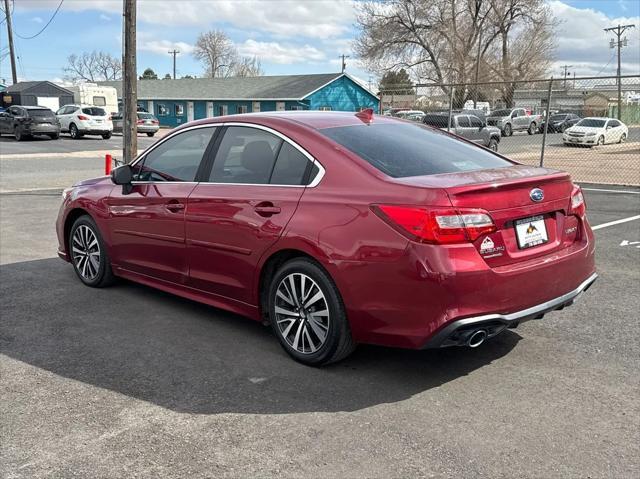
209,109
50,102
151,108
279,106
256,106
190,116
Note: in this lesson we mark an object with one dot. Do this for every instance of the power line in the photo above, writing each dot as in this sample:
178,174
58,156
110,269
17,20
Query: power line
43,28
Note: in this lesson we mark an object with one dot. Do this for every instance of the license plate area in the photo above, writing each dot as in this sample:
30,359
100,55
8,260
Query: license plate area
531,232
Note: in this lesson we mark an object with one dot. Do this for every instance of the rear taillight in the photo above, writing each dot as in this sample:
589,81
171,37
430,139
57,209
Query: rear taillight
437,225
140,122
578,206
155,122
83,118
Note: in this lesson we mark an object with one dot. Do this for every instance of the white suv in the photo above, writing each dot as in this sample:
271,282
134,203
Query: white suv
80,120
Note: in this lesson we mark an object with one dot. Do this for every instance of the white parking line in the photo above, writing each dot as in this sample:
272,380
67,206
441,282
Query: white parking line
613,191
616,222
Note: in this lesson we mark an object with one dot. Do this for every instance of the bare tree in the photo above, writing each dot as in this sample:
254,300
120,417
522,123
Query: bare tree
439,40
216,50
93,66
247,67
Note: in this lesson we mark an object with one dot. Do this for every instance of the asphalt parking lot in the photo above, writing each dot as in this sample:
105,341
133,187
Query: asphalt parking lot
131,382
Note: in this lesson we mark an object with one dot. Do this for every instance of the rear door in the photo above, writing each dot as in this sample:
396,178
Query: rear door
147,226
242,207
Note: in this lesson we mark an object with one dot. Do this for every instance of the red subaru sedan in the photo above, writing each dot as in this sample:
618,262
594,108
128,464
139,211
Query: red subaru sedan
337,229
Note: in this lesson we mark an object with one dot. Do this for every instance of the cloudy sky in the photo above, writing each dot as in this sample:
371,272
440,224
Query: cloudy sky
289,36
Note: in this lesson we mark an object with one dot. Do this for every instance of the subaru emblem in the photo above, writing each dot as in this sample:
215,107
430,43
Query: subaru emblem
536,195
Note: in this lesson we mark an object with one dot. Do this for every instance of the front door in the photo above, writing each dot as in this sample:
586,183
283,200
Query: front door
254,188
190,115
146,226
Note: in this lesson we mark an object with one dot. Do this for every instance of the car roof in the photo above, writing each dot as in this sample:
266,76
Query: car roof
27,107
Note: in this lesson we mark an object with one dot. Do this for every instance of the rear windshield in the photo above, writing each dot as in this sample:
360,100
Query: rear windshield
591,122
404,149
437,121
94,111
40,112
501,113
145,116
557,117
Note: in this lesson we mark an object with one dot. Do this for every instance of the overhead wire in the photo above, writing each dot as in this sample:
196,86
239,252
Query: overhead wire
43,28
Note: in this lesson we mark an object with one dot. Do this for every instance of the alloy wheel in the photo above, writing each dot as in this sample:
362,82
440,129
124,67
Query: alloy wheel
302,313
86,252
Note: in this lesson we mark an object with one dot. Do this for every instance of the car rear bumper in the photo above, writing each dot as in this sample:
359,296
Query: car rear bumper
148,128
457,333
43,129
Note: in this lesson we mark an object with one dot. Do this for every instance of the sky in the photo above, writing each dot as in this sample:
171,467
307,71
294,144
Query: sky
289,36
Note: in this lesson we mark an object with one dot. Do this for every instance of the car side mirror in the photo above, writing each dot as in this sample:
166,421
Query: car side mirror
609,127
123,175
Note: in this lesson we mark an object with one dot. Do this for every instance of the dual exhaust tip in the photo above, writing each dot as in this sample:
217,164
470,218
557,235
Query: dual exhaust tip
477,338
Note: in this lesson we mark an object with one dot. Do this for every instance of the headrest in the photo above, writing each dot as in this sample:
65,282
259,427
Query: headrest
257,156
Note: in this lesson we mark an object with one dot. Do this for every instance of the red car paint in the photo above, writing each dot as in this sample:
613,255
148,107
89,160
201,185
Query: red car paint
208,242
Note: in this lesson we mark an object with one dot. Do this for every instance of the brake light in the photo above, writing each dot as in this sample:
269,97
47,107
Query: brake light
155,122
578,206
437,225
140,122
82,117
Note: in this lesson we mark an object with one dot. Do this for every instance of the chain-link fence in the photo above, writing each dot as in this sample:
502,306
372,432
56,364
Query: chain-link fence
584,134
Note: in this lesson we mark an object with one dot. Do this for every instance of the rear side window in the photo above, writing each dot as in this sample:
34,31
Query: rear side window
475,121
402,150
94,111
176,159
40,113
290,168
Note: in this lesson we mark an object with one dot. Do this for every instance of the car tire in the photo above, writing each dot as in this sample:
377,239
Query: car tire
493,144
532,128
54,136
17,133
327,335
623,138
106,136
150,134
74,132
88,253
508,131
600,141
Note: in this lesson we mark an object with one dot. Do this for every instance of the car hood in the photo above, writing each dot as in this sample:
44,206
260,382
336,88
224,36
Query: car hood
585,129
93,181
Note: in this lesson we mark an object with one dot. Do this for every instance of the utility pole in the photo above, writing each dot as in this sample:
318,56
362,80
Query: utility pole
130,84
12,53
619,30
475,93
174,52
566,68
344,63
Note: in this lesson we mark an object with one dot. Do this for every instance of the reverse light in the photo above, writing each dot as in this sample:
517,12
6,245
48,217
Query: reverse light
437,225
578,206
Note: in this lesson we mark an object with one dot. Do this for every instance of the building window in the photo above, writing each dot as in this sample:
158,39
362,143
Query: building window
223,110
256,106
325,108
179,110
297,107
162,110
99,101
242,109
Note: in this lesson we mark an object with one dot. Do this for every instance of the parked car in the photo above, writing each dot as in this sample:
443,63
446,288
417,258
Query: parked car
337,229
25,121
405,114
80,120
467,126
147,123
596,131
513,119
560,122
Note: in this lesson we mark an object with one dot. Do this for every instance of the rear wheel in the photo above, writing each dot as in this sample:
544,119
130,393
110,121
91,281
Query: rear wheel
106,136
532,128
17,133
54,136
74,132
88,253
150,134
507,130
307,314
493,144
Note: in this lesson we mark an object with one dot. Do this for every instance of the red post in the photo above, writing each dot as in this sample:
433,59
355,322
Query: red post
108,161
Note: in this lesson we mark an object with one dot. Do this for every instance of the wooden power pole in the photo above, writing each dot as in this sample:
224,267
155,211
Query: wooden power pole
130,83
620,42
12,53
174,52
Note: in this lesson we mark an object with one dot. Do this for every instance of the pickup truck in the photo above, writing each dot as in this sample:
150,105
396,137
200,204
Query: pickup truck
514,119
469,127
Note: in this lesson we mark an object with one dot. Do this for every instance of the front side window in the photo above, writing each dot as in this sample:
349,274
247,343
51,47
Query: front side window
179,110
475,121
463,122
613,123
176,159
409,149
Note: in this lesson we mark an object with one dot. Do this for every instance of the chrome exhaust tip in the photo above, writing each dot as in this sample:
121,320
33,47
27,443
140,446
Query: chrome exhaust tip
477,338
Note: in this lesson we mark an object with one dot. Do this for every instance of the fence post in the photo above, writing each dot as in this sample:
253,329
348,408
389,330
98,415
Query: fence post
450,107
546,122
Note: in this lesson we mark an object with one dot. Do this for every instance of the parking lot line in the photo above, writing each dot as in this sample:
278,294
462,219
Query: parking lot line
616,222
612,191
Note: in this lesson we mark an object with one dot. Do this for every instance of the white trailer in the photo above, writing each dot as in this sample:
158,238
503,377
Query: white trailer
96,95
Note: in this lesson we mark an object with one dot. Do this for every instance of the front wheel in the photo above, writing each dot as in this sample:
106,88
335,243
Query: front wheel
493,144
623,138
307,314
88,253
600,141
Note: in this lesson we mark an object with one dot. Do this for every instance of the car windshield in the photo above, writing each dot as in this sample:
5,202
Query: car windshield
558,117
501,113
591,122
94,111
145,116
40,112
403,150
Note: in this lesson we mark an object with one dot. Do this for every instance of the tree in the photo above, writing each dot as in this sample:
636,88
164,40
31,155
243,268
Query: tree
94,66
439,40
247,67
189,77
396,83
215,49
167,77
148,74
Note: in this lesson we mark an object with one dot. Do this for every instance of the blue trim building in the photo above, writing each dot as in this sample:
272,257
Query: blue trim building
175,102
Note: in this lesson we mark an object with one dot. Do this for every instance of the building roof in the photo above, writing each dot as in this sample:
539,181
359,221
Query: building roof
28,85
281,87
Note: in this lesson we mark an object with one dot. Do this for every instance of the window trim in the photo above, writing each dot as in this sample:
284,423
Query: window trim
214,139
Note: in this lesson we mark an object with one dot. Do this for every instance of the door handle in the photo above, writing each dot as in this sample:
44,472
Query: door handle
266,208
174,207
